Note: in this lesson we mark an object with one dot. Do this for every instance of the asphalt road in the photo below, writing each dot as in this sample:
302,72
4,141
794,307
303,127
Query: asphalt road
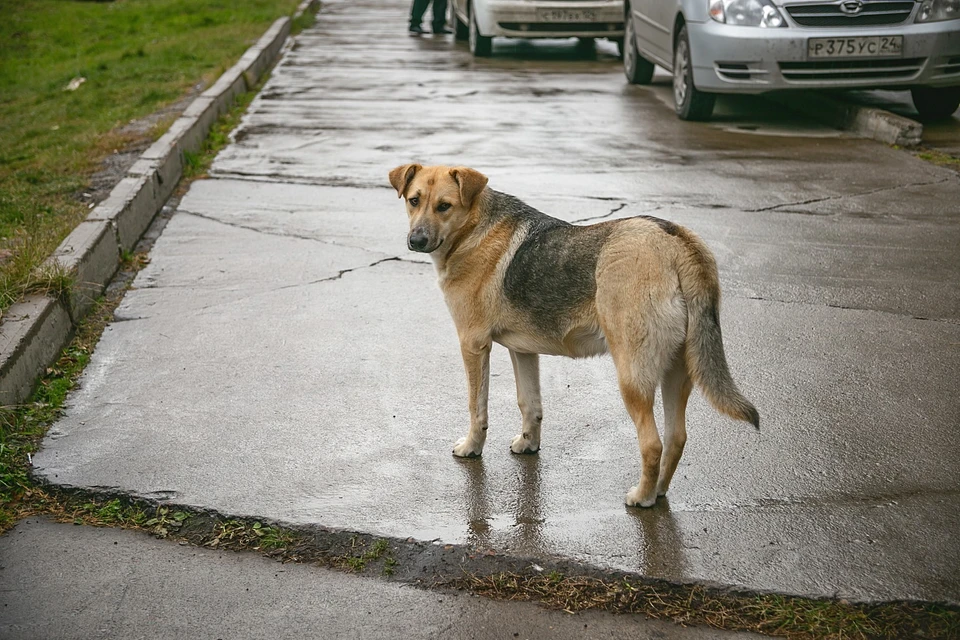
283,356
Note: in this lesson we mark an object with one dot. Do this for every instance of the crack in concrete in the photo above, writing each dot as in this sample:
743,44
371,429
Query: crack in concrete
949,321
275,178
343,272
278,234
775,207
606,215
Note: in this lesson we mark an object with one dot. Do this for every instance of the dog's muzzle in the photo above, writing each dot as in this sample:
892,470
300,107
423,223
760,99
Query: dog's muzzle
418,240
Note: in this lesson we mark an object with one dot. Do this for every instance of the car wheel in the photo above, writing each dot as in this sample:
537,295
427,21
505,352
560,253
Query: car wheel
690,103
461,31
638,69
480,46
936,103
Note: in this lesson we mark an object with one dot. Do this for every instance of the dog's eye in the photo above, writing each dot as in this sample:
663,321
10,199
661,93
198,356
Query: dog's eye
414,202
443,206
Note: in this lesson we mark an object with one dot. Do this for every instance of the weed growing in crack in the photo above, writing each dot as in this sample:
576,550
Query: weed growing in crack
164,522
357,561
389,566
939,158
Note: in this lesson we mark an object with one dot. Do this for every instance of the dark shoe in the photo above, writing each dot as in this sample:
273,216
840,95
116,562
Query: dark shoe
417,30
442,31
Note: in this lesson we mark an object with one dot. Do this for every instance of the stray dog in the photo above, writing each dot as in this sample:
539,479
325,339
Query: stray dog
643,289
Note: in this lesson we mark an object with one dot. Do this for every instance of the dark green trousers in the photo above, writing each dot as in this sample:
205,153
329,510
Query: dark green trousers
439,13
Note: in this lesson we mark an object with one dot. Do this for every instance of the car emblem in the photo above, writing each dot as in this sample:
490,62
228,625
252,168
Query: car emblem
851,7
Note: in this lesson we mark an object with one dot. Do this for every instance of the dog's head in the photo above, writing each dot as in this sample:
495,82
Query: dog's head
440,202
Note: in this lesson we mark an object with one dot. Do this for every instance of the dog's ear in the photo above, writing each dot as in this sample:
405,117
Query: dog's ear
471,184
401,176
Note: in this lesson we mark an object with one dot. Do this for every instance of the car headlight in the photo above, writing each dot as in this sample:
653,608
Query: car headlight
752,13
937,10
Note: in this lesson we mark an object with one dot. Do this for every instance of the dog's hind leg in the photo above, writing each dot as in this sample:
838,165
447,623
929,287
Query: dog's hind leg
639,369
476,361
675,388
526,370
643,334
639,403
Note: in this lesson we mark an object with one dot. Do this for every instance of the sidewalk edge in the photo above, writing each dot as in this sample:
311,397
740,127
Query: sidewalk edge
865,122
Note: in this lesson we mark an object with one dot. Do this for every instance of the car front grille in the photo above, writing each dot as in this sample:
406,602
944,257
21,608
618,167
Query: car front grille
949,67
739,72
841,70
841,14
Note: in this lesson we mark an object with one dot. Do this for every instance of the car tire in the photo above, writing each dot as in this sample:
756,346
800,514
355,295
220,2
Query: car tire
638,69
936,103
690,103
480,46
461,30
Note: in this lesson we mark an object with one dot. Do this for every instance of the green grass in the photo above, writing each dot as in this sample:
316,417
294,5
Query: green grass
939,158
136,56
360,555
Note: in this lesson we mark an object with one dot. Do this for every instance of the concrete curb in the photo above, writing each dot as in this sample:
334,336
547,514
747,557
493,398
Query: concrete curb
34,331
31,337
865,122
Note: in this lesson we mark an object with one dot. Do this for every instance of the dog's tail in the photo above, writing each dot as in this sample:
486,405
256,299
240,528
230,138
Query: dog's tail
706,361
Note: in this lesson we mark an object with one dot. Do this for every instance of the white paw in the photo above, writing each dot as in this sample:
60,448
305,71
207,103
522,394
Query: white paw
466,448
524,445
636,499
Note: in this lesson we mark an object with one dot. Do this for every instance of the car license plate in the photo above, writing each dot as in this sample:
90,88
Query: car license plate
862,47
566,15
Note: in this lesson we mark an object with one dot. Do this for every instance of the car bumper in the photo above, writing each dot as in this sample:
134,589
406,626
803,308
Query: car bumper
532,19
728,59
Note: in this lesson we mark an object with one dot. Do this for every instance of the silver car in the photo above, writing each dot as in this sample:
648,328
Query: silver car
478,21
755,46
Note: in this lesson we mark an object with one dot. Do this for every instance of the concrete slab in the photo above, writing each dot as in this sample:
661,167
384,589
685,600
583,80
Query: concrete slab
122,584
283,356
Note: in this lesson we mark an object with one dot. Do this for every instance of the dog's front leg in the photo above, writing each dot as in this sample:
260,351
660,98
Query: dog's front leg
476,361
526,370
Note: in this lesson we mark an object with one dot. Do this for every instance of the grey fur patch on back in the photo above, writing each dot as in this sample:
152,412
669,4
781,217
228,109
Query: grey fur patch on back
553,271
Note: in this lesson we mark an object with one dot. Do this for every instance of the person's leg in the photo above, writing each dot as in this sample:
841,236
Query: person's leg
416,12
440,16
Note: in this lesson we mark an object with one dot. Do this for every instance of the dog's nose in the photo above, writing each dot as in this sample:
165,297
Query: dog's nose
418,240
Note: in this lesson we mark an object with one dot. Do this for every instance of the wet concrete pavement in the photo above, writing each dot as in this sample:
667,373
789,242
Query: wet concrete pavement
283,356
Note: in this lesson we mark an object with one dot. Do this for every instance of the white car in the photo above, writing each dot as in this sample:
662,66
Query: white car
754,46
479,21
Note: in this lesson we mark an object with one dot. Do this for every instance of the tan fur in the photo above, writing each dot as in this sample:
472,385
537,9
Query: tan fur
655,309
